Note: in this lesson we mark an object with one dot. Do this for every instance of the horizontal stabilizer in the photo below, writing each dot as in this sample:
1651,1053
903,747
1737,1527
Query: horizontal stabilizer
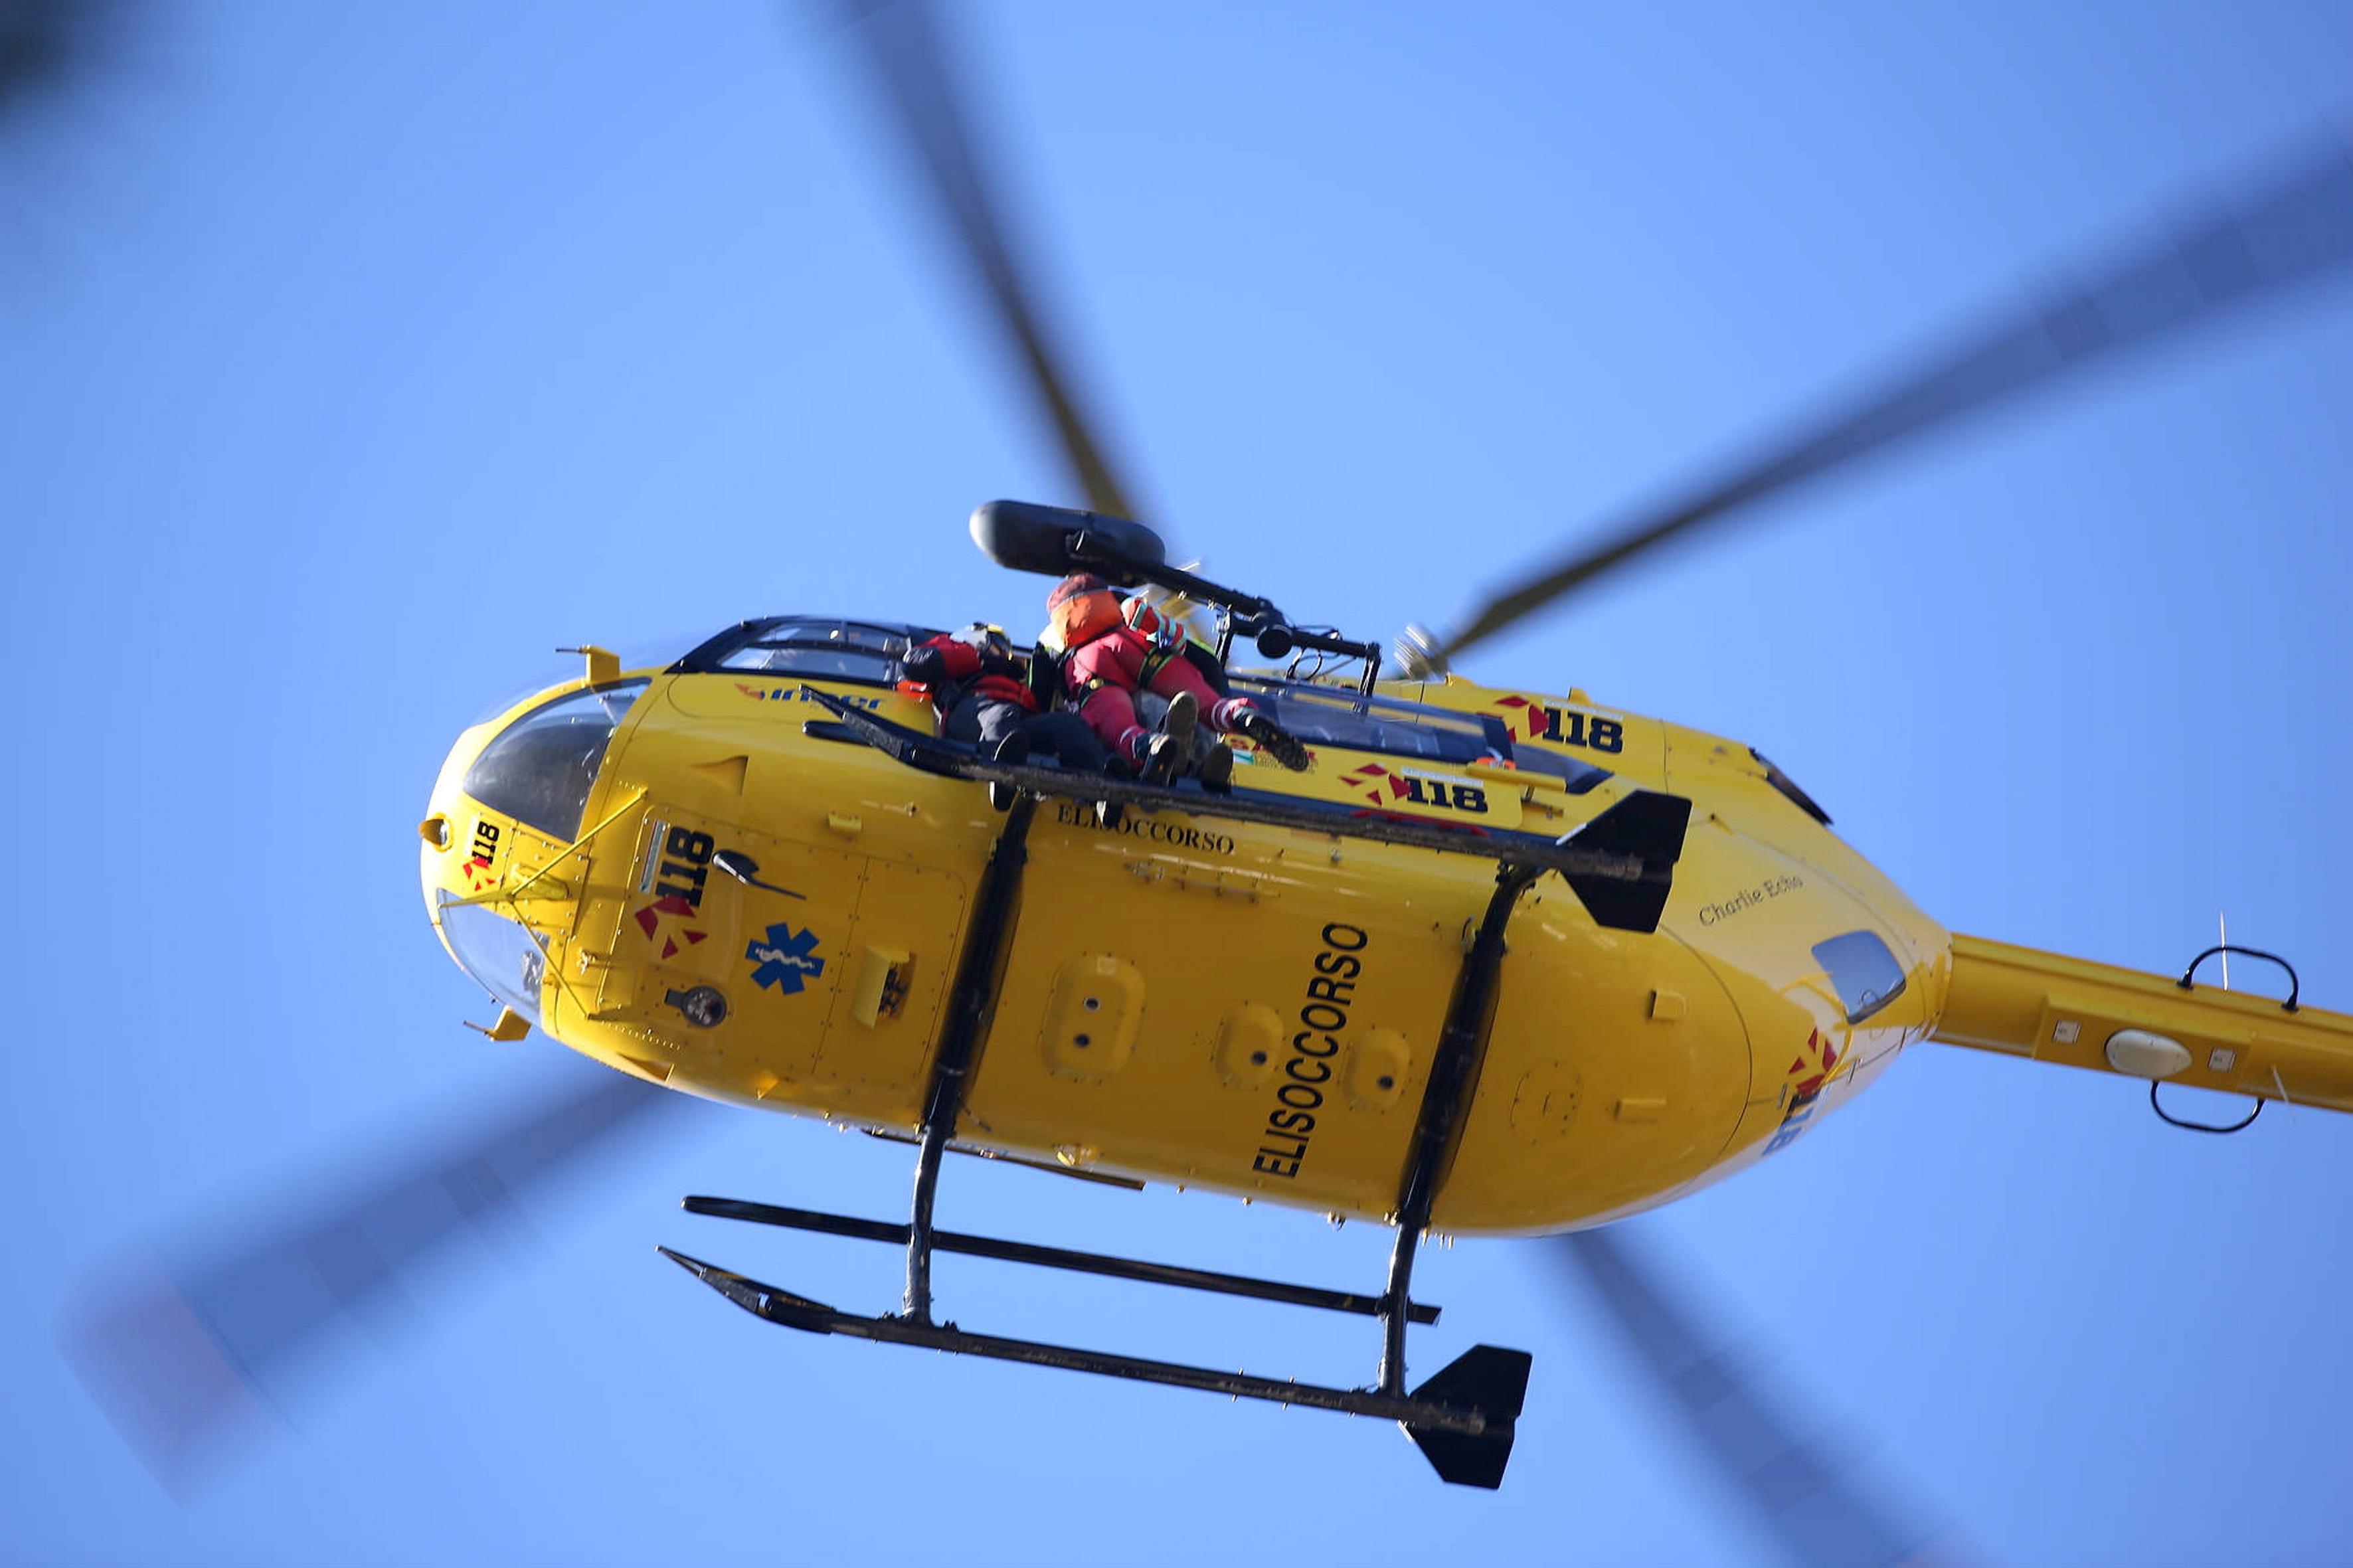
1492,1381
1649,826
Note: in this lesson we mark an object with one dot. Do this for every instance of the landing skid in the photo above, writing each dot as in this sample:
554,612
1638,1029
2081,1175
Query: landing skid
1465,1413
1463,1420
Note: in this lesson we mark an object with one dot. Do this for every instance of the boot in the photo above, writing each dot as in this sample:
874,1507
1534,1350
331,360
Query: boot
1215,771
1171,749
1272,739
1163,760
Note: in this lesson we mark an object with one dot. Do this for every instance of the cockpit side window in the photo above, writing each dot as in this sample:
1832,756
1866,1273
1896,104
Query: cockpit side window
1863,971
540,769
820,648
1331,717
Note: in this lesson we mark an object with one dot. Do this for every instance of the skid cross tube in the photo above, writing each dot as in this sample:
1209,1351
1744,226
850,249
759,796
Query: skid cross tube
970,1002
1057,1257
1453,1074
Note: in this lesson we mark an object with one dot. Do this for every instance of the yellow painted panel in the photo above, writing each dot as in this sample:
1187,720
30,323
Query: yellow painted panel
1250,1041
1573,1037
1246,940
1378,1064
1091,1017
877,1072
779,963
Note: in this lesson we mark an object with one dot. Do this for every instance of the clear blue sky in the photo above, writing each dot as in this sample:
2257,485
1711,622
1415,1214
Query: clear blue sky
351,359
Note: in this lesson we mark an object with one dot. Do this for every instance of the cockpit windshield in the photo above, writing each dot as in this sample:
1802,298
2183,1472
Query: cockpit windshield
503,957
540,769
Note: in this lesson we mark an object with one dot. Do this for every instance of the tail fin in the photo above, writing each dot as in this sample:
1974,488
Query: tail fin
1492,1381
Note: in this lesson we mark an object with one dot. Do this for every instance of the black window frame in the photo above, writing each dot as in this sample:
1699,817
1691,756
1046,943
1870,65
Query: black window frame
1497,742
1498,746
1295,703
711,658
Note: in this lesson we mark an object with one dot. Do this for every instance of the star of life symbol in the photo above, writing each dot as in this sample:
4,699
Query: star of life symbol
784,961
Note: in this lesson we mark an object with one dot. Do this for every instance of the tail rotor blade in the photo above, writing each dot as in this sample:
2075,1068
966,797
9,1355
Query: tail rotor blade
2280,237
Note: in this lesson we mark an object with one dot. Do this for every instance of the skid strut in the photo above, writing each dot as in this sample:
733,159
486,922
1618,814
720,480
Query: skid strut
970,1002
1453,1073
1462,1419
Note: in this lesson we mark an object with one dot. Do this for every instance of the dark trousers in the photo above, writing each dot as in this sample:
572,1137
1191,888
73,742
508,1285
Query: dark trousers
980,721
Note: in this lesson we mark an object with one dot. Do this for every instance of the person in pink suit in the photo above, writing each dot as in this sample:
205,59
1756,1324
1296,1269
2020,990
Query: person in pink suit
1110,655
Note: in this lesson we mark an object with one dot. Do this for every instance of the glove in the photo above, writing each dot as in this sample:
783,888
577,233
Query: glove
924,665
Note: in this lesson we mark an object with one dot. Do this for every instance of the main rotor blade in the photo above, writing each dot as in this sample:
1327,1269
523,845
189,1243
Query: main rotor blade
47,47
902,43
181,1358
2292,231
1792,1487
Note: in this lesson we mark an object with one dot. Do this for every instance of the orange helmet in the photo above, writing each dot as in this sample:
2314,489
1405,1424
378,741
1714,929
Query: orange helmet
1082,608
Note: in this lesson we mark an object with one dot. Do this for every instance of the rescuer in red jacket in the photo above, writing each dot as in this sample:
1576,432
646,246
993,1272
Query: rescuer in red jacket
1107,661
972,678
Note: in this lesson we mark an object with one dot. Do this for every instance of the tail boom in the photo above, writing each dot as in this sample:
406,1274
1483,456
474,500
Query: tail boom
2022,1002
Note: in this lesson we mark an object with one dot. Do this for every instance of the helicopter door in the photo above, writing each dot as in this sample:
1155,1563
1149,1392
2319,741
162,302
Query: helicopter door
823,984
897,961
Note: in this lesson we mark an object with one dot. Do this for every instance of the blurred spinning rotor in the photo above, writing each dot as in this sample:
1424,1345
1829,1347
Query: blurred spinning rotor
2281,234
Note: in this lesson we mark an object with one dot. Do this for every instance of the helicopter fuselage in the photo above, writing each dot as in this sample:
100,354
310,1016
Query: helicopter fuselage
1189,999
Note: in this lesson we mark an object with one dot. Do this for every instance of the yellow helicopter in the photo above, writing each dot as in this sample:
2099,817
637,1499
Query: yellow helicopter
1501,960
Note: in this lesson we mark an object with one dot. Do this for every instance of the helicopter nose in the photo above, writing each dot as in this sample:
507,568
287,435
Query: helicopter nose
522,791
